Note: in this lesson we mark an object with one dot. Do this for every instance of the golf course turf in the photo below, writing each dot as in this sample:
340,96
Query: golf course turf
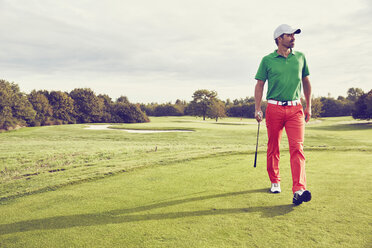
65,186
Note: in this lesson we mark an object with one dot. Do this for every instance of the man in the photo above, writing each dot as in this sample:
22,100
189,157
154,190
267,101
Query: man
285,70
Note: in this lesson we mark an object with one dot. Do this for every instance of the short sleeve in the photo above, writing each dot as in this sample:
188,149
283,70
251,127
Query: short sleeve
305,69
262,71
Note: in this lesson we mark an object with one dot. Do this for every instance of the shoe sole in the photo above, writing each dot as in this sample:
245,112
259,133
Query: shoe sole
275,192
305,197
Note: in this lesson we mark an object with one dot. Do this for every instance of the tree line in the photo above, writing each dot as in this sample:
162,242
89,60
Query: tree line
82,105
42,107
206,104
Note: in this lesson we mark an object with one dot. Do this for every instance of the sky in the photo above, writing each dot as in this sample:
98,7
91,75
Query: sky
164,50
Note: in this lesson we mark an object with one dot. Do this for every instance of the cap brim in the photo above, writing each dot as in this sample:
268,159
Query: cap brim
294,31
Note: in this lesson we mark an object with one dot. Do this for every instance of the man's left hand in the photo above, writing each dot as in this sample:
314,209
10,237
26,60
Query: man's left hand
307,114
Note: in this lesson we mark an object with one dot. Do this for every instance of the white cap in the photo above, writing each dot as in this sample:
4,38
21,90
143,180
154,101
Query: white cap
285,29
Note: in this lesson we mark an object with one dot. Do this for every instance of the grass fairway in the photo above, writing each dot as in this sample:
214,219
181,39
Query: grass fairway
64,186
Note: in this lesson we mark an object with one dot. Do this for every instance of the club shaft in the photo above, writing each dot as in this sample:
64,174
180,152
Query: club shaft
255,155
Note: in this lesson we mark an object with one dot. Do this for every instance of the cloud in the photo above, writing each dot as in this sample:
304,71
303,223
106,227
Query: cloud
154,50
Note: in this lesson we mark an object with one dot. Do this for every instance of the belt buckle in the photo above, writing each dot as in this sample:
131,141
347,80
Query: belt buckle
285,103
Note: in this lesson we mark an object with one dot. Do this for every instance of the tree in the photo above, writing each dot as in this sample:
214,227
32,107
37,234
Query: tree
249,100
87,106
128,113
228,102
42,107
15,109
331,107
7,121
363,107
123,99
149,108
62,105
107,104
316,108
202,100
216,110
167,110
354,93
243,108
235,110
181,106
22,109
346,106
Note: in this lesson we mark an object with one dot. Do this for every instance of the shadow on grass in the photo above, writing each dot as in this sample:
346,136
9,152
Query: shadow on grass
130,215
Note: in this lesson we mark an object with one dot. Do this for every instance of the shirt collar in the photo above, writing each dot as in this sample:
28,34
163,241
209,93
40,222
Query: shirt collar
275,53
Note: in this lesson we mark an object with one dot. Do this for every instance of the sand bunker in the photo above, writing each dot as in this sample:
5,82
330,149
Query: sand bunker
106,127
312,122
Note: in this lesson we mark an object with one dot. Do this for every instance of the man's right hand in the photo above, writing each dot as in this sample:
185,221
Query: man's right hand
258,115
258,90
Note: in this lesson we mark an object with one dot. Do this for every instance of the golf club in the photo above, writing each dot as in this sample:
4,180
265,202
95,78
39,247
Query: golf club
255,156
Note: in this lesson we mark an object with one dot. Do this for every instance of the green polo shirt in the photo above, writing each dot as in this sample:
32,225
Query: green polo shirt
284,75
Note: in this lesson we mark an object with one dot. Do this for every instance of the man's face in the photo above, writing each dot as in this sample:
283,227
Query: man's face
288,40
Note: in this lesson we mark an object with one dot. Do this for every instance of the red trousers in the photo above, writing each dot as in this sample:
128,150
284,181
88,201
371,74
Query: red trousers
292,118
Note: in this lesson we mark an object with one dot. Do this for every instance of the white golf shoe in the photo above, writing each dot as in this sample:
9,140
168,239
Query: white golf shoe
275,188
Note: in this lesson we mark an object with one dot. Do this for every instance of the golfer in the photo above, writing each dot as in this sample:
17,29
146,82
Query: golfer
285,70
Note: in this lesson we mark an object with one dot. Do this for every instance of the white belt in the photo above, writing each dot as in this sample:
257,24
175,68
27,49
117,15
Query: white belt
285,103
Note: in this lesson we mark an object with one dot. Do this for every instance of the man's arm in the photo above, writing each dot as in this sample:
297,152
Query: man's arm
307,92
258,92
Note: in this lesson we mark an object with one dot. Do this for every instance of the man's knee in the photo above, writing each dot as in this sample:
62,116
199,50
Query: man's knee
296,147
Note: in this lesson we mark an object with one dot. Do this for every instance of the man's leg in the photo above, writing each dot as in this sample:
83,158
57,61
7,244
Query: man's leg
274,125
295,128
